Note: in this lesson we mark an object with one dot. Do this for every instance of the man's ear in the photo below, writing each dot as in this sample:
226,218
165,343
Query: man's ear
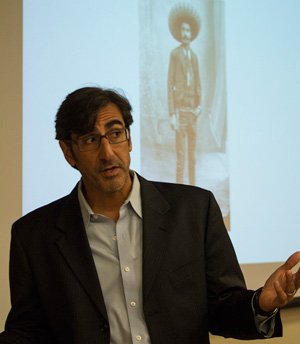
130,144
129,141
69,156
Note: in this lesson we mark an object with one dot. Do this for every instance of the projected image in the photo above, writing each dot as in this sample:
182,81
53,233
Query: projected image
183,95
134,56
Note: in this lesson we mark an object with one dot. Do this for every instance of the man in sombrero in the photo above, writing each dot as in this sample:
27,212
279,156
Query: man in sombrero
184,89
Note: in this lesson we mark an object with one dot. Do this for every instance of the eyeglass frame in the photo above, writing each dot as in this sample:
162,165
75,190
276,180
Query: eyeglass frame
127,133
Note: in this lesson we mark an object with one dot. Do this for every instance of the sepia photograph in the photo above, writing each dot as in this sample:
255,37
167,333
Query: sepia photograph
183,95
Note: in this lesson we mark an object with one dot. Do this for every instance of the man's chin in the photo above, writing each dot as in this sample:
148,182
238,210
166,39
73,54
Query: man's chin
112,184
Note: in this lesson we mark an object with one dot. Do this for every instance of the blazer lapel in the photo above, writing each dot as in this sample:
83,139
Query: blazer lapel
74,247
157,226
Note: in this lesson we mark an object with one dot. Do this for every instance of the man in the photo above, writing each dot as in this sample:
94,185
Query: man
125,260
184,90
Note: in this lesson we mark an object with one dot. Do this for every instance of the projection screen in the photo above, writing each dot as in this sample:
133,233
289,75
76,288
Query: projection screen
247,141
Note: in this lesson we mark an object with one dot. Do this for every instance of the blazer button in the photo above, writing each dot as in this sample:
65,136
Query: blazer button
104,328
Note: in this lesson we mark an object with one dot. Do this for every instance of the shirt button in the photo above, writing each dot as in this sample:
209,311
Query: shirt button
132,304
127,269
104,328
115,238
138,338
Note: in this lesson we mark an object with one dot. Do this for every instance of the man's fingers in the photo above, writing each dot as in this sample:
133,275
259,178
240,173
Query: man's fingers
281,295
292,261
290,284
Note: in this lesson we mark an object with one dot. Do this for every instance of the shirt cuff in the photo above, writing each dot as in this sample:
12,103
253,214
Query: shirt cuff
265,324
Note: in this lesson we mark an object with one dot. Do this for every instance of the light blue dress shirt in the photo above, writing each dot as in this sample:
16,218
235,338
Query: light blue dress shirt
117,253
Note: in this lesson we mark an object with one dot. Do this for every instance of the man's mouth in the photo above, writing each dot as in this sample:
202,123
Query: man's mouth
109,168
109,171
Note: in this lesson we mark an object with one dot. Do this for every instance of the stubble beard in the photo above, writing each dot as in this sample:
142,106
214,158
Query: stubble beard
107,184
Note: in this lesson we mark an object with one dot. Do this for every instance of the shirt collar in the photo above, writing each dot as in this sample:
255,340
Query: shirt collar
134,198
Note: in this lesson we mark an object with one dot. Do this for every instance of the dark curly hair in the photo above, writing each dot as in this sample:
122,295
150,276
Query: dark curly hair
78,112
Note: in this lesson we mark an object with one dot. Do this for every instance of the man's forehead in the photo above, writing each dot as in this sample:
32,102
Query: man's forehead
107,116
109,113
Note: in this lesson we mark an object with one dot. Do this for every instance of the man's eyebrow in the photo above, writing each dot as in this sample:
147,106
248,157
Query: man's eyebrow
110,124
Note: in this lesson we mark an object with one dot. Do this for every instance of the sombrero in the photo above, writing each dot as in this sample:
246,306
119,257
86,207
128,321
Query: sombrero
183,13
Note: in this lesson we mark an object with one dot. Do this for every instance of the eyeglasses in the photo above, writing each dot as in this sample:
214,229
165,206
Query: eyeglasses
93,141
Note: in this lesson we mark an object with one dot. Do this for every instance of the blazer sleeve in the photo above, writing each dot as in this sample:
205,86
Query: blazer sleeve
26,322
229,302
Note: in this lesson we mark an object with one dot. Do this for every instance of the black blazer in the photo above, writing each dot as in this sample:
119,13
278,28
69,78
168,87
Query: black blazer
192,282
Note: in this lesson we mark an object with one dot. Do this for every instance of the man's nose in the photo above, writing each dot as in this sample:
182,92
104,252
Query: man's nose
105,150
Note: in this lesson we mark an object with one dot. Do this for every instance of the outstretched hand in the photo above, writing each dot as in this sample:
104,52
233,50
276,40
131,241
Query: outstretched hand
281,286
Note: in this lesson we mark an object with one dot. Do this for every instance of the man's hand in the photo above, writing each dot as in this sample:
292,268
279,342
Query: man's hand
173,121
281,286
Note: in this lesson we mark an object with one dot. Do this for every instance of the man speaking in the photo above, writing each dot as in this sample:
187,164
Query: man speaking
123,260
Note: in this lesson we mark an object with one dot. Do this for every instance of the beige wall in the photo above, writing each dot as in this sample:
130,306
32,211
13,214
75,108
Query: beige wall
11,158
10,134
